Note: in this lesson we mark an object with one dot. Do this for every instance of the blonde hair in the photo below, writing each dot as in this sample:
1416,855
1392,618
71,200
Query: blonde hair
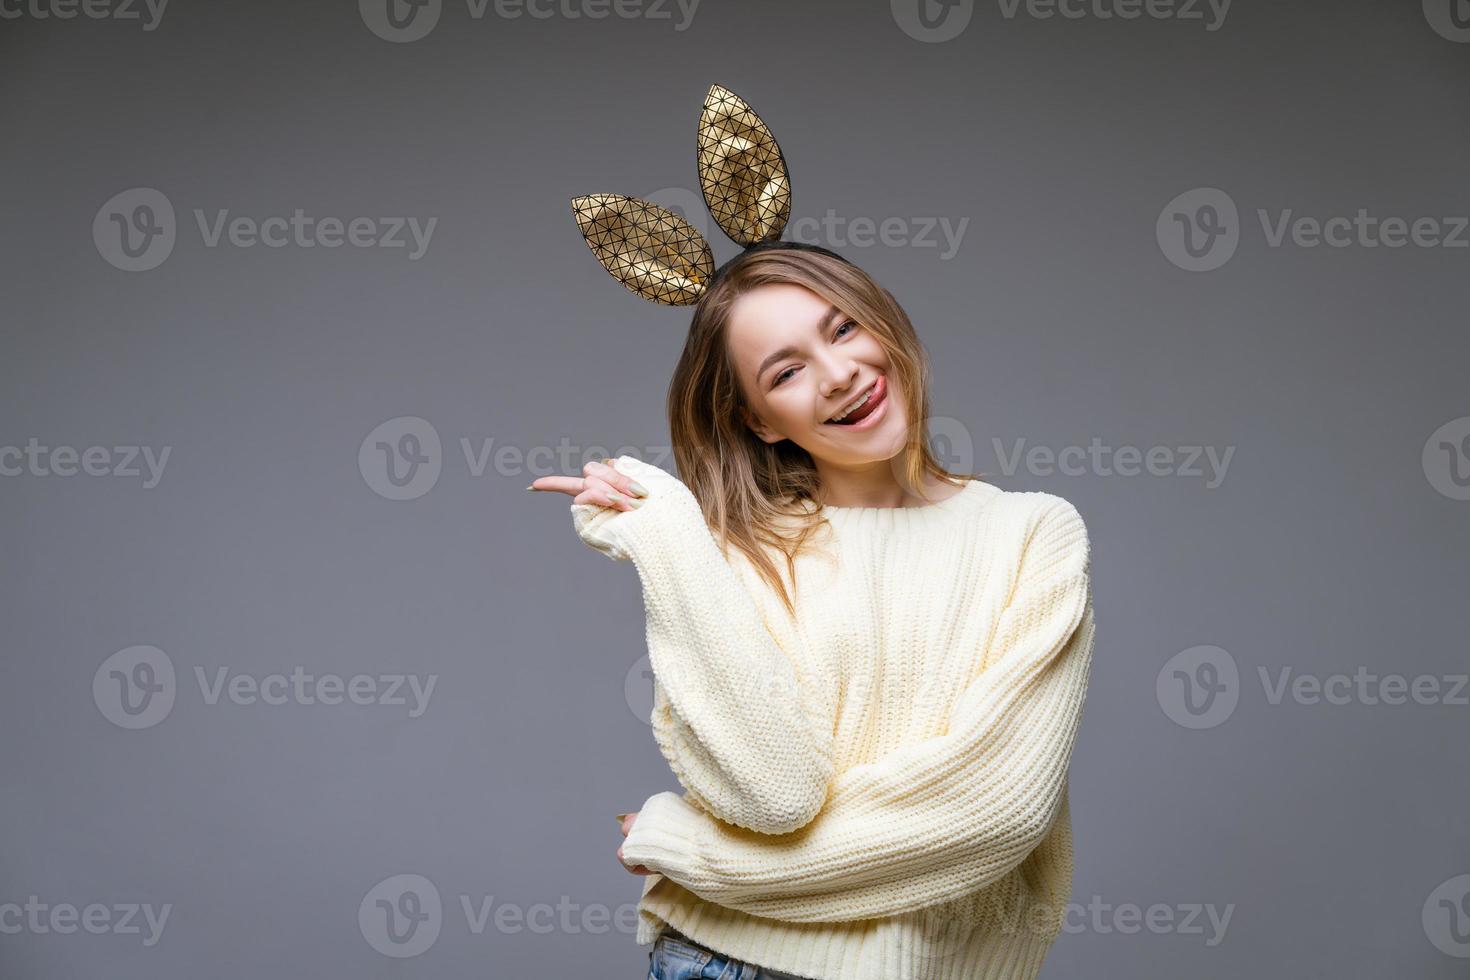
757,495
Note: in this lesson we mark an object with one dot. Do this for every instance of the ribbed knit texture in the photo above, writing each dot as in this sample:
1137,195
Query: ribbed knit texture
875,789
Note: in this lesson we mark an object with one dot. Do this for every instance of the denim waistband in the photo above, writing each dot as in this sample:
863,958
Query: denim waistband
765,972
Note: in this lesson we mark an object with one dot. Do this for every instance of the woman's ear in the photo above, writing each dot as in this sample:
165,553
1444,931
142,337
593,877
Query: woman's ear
763,432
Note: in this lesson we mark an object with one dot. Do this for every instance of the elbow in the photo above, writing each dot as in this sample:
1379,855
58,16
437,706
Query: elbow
801,806
786,789
1030,830
770,788
786,811
758,799
1032,824
779,802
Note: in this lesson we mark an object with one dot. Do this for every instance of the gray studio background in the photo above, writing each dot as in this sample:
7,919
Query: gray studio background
1332,835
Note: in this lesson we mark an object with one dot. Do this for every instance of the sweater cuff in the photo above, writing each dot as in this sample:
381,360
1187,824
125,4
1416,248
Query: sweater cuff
668,837
613,531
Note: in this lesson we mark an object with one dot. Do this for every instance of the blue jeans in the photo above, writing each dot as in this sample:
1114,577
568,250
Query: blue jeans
677,957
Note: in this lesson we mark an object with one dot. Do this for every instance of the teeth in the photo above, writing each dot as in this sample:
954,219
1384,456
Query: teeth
854,406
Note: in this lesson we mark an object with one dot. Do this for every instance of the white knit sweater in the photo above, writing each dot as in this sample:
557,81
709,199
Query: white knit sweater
877,788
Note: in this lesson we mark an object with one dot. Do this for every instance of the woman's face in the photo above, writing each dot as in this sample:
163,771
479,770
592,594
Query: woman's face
800,361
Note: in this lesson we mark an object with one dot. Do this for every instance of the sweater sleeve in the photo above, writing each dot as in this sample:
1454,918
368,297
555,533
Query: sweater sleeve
738,727
937,819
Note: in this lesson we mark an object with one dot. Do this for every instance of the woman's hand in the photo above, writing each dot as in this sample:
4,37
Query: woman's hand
628,822
598,484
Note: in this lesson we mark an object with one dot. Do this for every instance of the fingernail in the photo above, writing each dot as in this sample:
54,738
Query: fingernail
615,497
622,817
530,488
638,488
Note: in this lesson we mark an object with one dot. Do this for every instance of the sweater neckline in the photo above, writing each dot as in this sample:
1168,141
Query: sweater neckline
971,494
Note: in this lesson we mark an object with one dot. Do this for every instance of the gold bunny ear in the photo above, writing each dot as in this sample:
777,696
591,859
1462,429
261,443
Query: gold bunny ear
649,249
741,169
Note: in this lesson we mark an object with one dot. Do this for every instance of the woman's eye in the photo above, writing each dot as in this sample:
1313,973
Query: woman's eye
778,379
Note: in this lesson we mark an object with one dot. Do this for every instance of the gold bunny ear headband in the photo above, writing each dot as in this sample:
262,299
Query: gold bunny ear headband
743,177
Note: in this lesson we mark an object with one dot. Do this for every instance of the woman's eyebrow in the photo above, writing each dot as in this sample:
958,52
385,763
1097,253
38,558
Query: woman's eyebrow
832,313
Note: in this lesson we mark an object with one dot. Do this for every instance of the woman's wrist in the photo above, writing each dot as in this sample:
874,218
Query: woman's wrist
615,532
667,836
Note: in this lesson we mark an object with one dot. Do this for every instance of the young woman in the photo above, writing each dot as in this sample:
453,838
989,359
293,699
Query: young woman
869,672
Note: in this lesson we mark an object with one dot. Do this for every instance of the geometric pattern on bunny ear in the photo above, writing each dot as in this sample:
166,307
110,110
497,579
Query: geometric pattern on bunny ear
647,248
742,171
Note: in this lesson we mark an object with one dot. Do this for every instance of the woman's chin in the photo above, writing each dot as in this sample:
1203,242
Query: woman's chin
882,442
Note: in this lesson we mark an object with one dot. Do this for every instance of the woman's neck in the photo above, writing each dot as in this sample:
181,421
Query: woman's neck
880,490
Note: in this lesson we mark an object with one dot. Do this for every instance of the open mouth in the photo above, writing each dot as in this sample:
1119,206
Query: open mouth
865,405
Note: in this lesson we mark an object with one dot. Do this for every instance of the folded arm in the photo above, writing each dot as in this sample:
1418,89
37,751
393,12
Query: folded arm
740,731
934,820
